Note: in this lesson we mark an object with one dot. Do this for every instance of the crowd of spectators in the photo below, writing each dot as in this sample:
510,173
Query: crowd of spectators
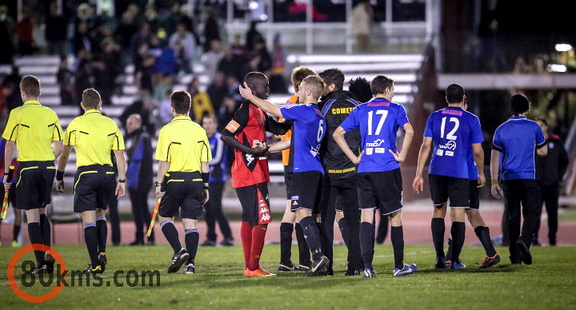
161,42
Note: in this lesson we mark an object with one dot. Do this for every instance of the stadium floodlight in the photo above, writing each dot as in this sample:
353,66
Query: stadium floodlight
556,68
563,47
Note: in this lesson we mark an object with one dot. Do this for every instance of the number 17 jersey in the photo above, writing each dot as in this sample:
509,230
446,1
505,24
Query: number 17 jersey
453,131
378,121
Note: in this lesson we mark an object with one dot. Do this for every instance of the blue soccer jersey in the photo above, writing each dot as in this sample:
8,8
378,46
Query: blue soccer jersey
517,139
378,121
453,131
308,131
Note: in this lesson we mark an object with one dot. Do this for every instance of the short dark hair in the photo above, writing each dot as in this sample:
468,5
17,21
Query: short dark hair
333,76
360,89
519,104
298,74
380,83
180,101
91,98
30,85
454,93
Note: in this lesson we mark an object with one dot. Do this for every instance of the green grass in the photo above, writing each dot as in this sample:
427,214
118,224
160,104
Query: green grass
547,284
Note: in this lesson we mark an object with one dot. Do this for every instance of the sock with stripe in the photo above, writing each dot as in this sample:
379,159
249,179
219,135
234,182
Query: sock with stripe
303,249
171,234
312,236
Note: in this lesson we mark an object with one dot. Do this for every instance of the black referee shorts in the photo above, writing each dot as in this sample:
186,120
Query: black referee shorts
443,188
381,190
34,185
185,191
94,185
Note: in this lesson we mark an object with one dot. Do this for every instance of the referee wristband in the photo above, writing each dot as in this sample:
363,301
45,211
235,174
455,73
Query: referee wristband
206,187
206,177
122,181
59,175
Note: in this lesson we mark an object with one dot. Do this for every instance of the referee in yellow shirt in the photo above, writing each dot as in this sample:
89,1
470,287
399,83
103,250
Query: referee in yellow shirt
31,129
183,152
94,137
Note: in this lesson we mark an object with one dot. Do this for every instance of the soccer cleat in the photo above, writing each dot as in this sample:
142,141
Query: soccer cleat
178,260
49,262
406,270
102,260
318,266
369,273
189,269
490,261
353,272
15,244
39,270
286,267
208,243
304,268
96,270
526,255
136,242
228,241
455,265
441,262
260,272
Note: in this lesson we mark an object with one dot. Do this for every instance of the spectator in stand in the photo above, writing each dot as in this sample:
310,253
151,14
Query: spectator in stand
112,68
24,29
212,58
252,36
239,50
167,62
124,33
143,106
65,79
225,114
277,82
82,40
84,15
56,31
217,90
142,36
188,42
201,104
89,75
230,65
151,17
265,59
167,20
253,64
362,17
165,83
7,30
165,108
144,66
183,17
211,28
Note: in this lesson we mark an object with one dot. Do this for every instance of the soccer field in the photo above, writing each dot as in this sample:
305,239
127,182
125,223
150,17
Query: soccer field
219,283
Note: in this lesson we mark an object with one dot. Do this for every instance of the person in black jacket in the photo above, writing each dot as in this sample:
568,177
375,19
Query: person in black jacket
339,197
550,170
139,175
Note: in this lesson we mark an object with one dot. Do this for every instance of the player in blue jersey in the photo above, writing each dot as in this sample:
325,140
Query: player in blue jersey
473,214
309,128
379,177
453,132
515,144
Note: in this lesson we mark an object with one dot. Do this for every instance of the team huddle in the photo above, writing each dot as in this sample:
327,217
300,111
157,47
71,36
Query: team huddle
341,162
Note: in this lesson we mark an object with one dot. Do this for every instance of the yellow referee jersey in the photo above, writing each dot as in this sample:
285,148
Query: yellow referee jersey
33,127
184,145
94,136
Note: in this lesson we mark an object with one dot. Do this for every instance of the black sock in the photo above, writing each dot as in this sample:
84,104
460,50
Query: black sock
483,234
312,236
303,249
458,232
15,232
45,226
171,234
286,242
35,235
397,238
449,252
367,243
191,238
102,230
342,224
438,230
91,237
